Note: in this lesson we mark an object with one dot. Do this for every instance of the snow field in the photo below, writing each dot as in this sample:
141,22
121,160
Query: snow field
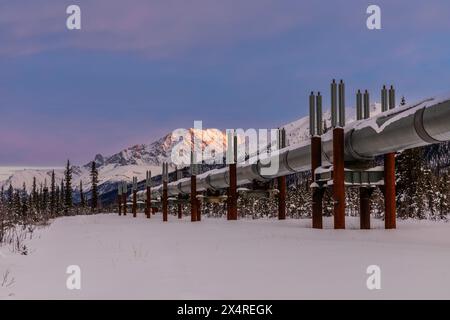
126,258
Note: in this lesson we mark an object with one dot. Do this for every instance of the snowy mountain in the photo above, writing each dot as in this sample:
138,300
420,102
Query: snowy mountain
133,161
137,159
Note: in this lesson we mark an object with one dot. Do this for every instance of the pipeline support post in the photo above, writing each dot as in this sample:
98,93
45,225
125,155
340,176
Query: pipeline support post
179,211
338,163
134,197
338,178
148,209
388,103
281,181
124,197
165,204
317,192
232,194
315,106
148,206
193,195
389,191
364,207
119,198
198,202
193,198
232,189
282,198
179,208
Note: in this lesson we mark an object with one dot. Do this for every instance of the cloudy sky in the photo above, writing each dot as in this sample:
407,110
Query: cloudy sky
140,68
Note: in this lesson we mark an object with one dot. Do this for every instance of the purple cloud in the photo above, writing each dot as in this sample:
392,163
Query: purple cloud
152,28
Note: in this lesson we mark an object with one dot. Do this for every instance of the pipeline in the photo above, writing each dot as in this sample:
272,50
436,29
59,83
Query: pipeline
415,125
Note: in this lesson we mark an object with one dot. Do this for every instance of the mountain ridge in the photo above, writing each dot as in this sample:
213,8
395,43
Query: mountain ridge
137,159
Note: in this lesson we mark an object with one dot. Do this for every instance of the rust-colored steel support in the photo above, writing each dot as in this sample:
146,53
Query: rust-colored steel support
282,198
317,193
179,208
165,201
364,207
149,202
232,194
338,178
194,211
281,181
119,203
389,191
134,203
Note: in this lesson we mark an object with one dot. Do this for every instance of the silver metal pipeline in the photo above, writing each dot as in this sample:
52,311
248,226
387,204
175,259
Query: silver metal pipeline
420,124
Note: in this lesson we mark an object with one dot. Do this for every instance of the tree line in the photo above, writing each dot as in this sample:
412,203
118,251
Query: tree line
47,201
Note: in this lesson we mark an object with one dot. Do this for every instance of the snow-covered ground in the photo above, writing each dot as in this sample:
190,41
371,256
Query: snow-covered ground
126,258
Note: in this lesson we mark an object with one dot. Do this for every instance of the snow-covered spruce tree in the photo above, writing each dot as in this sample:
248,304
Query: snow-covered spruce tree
306,197
328,202
82,198
52,200
24,202
2,196
2,203
39,200
68,200
17,206
34,197
430,193
62,193
377,204
443,196
412,177
9,196
298,203
2,214
31,211
58,205
292,202
94,190
352,201
45,200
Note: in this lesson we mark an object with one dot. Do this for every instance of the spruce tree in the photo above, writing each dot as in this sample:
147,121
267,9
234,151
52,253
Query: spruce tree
412,178
34,196
58,206
39,201
2,194
61,196
443,198
68,201
82,199
9,196
2,200
94,191
52,195
24,201
16,204
45,198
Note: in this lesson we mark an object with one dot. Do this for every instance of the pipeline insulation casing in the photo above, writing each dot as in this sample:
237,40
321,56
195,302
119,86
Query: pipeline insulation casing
410,126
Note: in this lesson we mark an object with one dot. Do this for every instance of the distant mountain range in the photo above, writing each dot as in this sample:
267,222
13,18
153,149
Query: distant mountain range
137,159
133,161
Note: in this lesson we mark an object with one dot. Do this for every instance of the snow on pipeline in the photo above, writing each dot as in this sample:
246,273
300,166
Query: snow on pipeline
126,258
